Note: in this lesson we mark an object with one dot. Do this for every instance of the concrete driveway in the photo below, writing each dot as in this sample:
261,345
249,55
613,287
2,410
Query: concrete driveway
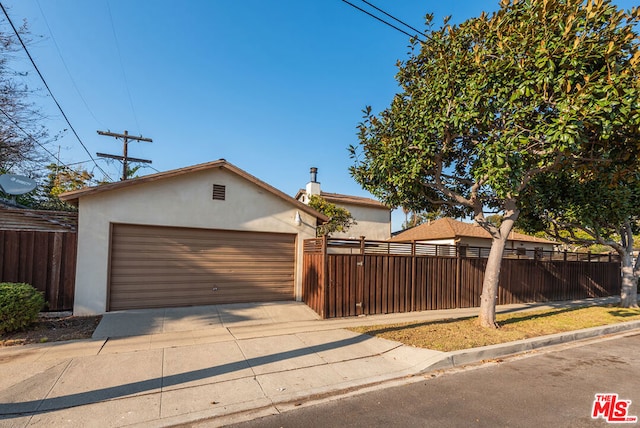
137,322
161,367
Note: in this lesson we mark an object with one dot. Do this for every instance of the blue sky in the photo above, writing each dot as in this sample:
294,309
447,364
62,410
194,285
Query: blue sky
274,87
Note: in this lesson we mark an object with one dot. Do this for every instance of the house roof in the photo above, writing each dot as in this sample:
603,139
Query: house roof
37,220
74,196
448,228
337,198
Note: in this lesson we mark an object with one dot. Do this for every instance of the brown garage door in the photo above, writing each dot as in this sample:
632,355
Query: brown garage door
164,266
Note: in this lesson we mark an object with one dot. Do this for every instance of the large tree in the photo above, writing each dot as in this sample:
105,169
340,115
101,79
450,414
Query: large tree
601,207
488,105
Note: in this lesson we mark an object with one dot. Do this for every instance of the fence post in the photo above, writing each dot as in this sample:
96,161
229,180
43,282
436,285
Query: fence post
325,279
458,274
413,275
360,280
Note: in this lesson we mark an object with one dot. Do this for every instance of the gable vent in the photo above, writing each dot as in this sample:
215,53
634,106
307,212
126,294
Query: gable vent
219,192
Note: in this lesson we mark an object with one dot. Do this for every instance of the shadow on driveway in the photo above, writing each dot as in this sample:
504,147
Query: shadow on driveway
8,410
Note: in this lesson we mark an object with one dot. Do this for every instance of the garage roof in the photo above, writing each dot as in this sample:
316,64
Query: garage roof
73,196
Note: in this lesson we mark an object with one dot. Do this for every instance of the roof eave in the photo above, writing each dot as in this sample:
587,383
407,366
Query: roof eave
74,196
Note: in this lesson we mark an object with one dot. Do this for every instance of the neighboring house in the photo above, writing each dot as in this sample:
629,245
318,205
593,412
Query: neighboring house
205,234
447,231
373,218
14,218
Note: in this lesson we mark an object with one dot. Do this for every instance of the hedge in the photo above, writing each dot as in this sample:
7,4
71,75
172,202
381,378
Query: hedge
19,306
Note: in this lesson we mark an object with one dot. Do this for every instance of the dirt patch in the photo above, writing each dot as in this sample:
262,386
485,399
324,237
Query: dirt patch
49,328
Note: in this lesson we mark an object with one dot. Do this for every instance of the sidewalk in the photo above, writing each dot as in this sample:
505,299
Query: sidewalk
176,366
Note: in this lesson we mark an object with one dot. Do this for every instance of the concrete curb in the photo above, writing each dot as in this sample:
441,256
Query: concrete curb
448,360
474,355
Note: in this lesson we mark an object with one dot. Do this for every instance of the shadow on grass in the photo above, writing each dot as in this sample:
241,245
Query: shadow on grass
393,328
625,312
523,317
527,317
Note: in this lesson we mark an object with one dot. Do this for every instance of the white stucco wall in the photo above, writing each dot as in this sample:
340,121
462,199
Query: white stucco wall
486,243
372,223
480,242
440,241
182,201
530,245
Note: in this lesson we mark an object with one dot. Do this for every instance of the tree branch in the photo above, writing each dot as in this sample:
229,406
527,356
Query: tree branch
569,227
439,185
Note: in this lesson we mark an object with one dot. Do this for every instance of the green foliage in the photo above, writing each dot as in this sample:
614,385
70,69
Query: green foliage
599,209
489,104
340,219
19,306
413,219
538,87
132,171
60,179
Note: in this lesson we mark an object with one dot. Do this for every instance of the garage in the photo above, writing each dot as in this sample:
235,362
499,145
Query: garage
204,234
152,266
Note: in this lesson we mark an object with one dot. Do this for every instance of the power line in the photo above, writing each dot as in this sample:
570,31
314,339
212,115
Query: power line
17,125
65,65
149,166
394,18
124,75
56,158
49,90
415,36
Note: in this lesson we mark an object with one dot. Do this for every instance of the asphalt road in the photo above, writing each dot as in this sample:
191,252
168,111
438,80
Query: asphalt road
547,389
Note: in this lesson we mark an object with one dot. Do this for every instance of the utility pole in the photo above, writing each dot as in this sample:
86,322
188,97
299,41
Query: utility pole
125,157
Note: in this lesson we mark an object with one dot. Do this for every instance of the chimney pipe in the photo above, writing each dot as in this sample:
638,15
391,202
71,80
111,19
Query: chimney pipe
314,174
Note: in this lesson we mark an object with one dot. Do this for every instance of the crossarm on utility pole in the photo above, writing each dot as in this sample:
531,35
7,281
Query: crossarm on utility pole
125,159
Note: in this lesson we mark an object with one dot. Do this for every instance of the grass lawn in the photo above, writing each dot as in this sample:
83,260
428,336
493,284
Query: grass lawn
453,335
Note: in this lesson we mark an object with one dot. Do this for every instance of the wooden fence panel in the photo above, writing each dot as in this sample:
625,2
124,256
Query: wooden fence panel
471,276
46,260
528,281
421,284
313,276
378,283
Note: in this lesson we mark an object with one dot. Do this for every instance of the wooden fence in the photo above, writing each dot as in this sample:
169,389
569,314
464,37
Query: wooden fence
46,260
354,277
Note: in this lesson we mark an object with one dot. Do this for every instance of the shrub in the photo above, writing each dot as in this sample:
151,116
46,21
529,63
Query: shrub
19,305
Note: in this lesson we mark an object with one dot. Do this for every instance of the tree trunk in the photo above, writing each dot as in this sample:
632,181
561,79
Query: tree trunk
487,316
629,290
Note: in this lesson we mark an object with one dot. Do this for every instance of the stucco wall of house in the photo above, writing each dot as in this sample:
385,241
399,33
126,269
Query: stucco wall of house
181,201
372,223
530,245
480,242
440,241
486,243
